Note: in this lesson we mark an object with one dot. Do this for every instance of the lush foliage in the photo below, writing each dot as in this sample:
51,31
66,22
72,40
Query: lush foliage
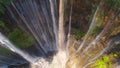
113,3
21,39
101,63
2,7
105,62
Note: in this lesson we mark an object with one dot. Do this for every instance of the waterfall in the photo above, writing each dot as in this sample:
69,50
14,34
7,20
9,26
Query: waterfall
7,44
36,18
44,20
41,19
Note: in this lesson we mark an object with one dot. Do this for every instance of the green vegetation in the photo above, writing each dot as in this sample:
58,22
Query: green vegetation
2,9
24,40
113,3
5,2
90,16
21,39
79,34
4,51
98,21
115,55
105,62
101,63
100,17
96,31
3,26
2,5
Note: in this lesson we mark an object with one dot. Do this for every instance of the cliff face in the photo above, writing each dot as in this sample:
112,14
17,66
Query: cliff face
82,12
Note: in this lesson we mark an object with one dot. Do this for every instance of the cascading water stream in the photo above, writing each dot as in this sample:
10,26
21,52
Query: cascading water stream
40,17
103,31
112,43
7,44
45,23
92,26
69,31
33,17
9,60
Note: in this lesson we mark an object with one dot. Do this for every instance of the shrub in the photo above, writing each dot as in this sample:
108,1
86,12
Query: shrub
79,34
102,63
21,39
